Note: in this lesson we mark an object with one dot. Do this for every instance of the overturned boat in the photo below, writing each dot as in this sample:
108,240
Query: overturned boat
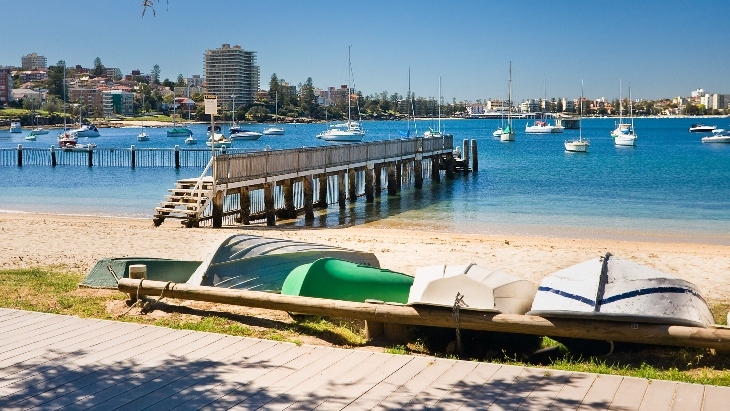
262,264
471,287
609,288
336,279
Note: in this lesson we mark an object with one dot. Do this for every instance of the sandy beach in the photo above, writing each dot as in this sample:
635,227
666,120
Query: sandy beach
75,242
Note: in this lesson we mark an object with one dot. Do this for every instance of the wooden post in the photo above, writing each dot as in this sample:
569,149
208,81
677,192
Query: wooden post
369,198
418,171
465,154
645,333
373,329
20,155
177,156
245,201
218,209
53,157
377,174
392,187
308,185
474,156
134,158
351,187
341,194
436,168
269,203
322,200
137,272
449,166
91,157
287,187
398,175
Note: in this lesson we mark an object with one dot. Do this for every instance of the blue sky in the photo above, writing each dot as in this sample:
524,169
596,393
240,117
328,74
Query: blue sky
663,48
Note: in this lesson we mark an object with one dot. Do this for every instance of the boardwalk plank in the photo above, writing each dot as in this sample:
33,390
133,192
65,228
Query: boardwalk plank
389,385
658,396
543,395
716,398
403,395
493,389
177,380
441,386
572,393
468,385
515,394
630,394
188,353
302,392
47,331
390,364
601,393
21,321
688,397
245,379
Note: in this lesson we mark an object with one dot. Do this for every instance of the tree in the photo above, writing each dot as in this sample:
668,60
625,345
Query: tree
308,99
274,87
257,113
168,83
99,69
180,81
54,82
156,74
53,105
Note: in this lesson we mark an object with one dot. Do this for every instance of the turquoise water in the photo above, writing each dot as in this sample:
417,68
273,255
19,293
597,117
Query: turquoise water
670,186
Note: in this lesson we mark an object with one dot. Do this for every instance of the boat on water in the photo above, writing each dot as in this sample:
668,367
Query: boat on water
85,130
191,141
262,264
701,128
143,136
723,137
539,127
275,130
475,288
623,134
239,133
39,131
30,137
178,131
580,145
613,289
349,132
219,141
15,126
508,133
67,140
498,132
342,280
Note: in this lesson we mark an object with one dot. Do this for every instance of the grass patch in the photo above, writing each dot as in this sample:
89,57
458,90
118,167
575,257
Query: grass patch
341,332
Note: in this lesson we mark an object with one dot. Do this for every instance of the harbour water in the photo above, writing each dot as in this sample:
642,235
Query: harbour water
669,187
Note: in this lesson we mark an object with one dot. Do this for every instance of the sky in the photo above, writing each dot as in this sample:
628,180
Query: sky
663,49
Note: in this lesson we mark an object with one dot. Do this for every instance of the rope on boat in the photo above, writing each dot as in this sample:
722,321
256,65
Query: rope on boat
146,304
111,270
458,302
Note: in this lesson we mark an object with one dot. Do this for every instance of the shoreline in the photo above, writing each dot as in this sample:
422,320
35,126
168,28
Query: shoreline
77,242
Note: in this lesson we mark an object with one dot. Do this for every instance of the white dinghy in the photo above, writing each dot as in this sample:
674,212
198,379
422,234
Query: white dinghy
478,288
609,288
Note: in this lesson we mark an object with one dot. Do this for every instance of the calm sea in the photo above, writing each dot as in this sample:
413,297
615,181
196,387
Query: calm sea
669,187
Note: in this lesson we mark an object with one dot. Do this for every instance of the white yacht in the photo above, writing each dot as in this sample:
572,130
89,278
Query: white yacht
15,126
701,128
579,145
275,130
346,132
39,131
717,138
85,130
539,127
624,134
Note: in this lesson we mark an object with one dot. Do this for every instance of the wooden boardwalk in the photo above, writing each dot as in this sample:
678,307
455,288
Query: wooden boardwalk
50,361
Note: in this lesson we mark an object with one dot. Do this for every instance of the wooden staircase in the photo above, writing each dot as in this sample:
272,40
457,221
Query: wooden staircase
186,202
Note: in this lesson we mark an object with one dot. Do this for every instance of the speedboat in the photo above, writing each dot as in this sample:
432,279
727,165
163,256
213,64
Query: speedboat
717,138
237,133
701,128
30,137
15,126
86,130
609,288
347,132
39,131
191,141
143,136
274,131
497,132
539,127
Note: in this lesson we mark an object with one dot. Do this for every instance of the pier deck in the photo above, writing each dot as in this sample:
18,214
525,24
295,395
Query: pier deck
51,361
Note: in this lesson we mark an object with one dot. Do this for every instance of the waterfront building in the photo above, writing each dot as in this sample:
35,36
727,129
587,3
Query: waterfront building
91,99
231,71
6,85
33,61
36,74
118,102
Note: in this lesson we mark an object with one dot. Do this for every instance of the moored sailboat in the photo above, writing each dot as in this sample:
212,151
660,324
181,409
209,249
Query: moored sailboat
579,145
275,130
624,134
508,134
346,132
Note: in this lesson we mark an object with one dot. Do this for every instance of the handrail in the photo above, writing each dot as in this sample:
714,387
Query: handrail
198,184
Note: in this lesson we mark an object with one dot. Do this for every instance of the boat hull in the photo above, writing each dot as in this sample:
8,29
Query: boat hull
625,140
245,135
716,139
576,146
510,136
274,131
179,132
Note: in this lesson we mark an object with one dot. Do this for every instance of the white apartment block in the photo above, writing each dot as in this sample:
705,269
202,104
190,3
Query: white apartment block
231,72
32,61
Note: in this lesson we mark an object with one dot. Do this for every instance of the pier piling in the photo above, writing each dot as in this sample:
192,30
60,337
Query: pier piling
474,156
20,155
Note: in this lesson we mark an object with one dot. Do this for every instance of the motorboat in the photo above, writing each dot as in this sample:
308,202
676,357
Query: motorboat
67,140
623,134
274,131
558,126
30,137
85,130
143,136
337,279
497,132
508,133
350,131
625,140
717,138
191,141
15,126
580,145
471,287
262,264
219,141
39,131
701,128
242,134
539,127
610,288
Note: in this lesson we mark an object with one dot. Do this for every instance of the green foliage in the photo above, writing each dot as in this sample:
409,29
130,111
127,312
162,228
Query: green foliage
257,113
99,68
397,349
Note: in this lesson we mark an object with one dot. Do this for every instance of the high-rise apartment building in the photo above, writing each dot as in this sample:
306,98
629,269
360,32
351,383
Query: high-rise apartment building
32,61
6,86
231,71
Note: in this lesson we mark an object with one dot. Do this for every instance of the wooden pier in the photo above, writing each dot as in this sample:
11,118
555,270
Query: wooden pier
49,361
246,187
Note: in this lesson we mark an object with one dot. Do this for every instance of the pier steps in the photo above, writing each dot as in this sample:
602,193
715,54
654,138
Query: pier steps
186,201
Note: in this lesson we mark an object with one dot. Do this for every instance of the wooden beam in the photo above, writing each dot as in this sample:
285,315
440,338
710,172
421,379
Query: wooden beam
442,316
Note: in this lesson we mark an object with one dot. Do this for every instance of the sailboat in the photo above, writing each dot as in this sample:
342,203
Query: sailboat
411,112
238,133
275,130
143,135
431,132
624,134
65,138
176,131
508,134
579,145
345,132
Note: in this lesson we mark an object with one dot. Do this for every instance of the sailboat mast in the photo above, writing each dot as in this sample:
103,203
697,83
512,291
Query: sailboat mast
409,100
631,109
64,96
620,104
349,100
509,99
580,129
439,104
